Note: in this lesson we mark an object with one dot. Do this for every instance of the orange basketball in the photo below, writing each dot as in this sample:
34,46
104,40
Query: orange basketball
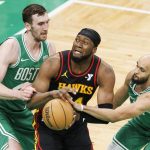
58,114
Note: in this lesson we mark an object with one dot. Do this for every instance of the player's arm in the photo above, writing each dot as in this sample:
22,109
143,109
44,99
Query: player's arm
105,94
8,48
106,81
51,48
48,70
124,111
120,96
122,93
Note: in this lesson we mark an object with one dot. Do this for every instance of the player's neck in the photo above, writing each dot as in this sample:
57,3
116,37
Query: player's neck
80,67
31,43
33,46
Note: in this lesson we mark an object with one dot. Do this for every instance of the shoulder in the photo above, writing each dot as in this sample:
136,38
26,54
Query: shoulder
53,64
106,72
11,42
7,48
51,48
53,59
106,68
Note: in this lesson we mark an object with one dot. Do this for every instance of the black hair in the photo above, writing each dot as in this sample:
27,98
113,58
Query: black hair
91,34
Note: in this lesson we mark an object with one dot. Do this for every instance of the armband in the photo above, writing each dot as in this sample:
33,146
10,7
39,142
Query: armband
106,105
90,119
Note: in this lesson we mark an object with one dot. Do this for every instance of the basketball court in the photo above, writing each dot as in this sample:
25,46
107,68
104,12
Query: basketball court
124,29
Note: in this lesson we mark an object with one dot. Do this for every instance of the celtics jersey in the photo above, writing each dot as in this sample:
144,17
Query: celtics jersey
85,83
143,120
24,70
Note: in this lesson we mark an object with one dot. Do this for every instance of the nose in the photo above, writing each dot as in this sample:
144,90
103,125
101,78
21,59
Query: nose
45,26
79,44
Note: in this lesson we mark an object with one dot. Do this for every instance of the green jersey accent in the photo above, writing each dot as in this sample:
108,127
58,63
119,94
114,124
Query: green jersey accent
24,70
143,120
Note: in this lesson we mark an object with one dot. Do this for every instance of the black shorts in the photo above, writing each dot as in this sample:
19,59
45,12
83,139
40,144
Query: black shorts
75,138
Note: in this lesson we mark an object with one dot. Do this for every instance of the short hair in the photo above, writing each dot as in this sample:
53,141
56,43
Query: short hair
30,10
92,34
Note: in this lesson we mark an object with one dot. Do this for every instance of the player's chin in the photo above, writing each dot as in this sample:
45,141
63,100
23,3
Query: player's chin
135,78
43,37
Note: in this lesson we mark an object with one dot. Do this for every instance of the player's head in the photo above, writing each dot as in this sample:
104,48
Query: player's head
36,20
142,71
85,44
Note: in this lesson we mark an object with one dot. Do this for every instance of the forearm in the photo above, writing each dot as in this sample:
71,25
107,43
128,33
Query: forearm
7,94
38,100
99,113
113,115
93,119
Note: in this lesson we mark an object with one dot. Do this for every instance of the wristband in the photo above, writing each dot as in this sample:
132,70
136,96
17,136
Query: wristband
105,105
82,107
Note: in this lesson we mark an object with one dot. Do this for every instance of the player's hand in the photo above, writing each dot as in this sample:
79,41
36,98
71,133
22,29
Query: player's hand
25,93
63,93
76,117
76,106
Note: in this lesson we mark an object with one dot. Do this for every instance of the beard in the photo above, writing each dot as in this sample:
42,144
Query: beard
38,37
79,59
139,81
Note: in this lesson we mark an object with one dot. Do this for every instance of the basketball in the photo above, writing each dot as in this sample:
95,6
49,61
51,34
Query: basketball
58,114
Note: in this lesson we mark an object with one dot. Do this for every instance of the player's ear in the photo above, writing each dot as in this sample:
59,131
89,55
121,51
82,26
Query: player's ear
94,50
28,26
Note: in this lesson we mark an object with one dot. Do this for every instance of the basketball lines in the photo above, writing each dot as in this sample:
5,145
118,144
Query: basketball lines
107,6
113,7
64,114
54,12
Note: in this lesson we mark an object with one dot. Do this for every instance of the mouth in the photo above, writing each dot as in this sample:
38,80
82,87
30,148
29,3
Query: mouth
44,33
77,53
135,77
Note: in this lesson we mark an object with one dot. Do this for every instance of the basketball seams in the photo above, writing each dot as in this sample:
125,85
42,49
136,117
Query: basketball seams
53,116
63,112
57,114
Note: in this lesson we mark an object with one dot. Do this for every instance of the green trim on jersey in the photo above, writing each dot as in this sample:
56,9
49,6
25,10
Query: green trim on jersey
143,120
24,70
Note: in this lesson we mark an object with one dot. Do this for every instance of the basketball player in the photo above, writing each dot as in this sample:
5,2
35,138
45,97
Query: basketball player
135,135
21,57
81,69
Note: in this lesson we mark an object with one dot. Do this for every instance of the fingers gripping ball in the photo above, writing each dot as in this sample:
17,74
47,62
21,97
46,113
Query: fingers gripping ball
58,114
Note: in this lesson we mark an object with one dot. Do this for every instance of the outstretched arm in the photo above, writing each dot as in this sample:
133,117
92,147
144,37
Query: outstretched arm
123,112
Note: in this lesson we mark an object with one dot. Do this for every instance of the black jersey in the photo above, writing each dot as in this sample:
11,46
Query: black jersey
85,83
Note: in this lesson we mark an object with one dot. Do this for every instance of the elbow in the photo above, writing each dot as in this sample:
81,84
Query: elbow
110,119
113,120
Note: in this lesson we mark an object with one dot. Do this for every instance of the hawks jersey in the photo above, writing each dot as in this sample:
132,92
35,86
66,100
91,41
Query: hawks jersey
24,70
142,120
85,83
